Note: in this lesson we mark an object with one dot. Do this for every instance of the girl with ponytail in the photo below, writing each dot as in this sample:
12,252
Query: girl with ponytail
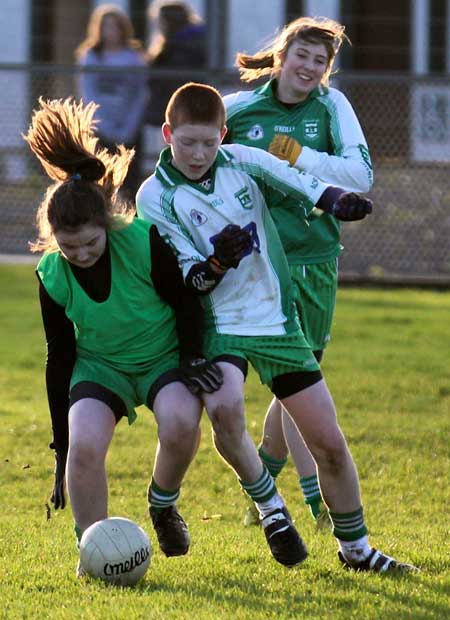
296,116
121,328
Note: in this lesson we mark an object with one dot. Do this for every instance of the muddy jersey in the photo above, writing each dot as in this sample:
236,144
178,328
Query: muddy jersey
254,299
333,149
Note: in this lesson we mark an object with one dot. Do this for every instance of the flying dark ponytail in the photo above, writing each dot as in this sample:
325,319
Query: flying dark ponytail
86,179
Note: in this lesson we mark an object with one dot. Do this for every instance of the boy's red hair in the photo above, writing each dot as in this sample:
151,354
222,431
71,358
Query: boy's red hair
195,104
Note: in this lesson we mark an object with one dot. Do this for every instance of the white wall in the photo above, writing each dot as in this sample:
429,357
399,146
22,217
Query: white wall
15,48
248,29
14,20
323,8
123,4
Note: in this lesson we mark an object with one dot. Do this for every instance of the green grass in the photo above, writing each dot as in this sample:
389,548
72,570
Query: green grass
389,373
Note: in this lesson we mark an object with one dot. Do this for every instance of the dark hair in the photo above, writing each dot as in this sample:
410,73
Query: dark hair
197,104
94,41
86,180
173,16
269,61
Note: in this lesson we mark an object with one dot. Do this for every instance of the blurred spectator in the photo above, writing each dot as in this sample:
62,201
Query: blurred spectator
122,95
178,42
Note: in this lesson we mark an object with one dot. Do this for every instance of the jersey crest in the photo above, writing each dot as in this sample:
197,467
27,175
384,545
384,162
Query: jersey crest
311,129
244,197
198,218
255,133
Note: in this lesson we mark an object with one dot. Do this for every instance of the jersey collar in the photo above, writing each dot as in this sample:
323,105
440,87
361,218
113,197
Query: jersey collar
269,89
171,177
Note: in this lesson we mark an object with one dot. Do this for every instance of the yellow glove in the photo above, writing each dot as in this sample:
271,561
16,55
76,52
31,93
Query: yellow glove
285,147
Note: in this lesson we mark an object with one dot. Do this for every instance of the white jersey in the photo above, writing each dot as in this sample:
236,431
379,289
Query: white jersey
254,299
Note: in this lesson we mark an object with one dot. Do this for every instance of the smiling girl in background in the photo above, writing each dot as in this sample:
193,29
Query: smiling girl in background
297,117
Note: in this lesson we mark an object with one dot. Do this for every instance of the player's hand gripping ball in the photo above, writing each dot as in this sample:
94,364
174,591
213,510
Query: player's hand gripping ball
115,550
285,148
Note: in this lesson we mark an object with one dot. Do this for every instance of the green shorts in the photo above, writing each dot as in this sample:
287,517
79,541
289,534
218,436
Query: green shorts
132,386
314,290
270,356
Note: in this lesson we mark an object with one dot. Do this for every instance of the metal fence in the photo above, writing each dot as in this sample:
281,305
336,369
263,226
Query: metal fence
407,124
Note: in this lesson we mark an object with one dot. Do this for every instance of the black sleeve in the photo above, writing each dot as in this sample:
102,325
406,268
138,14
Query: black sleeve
202,279
168,282
61,352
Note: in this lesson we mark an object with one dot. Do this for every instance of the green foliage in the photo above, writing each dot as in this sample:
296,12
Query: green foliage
388,370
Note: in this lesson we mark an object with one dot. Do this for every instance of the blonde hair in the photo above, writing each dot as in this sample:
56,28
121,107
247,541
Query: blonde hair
269,61
86,180
94,40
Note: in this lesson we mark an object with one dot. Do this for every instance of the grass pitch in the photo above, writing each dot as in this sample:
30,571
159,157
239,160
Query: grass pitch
389,372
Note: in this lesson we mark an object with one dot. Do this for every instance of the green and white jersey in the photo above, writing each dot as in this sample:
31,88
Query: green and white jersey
255,299
334,150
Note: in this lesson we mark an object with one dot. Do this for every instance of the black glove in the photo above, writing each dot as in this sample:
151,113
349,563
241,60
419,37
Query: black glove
200,375
58,498
230,246
350,207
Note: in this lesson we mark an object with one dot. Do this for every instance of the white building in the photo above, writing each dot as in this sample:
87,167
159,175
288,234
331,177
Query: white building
407,36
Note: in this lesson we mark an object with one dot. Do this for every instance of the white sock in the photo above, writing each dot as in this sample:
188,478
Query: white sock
265,508
355,551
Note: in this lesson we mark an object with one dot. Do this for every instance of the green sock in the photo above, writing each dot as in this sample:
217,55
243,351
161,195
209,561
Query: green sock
348,526
263,489
311,491
159,498
273,465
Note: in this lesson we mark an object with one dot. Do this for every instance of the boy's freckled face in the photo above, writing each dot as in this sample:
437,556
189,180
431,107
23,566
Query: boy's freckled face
194,147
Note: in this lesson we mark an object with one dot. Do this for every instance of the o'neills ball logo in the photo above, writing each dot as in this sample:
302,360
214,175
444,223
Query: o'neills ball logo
128,565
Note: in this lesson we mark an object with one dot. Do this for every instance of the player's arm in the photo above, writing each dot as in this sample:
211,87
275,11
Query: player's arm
201,272
350,166
148,208
314,196
61,354
168,282
344,206
230,245
198,374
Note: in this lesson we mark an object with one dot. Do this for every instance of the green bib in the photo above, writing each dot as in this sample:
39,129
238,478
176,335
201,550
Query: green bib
133,325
